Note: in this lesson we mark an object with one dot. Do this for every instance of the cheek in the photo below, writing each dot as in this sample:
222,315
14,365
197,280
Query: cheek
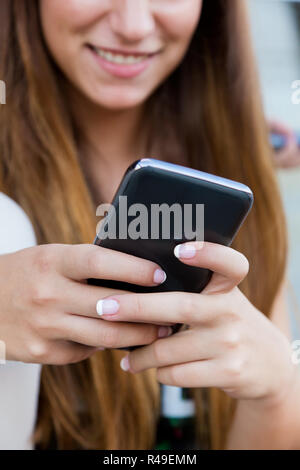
178,24
65,24
57,25
72,14
180,21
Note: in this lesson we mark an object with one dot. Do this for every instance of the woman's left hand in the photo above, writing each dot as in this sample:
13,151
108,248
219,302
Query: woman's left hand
229,343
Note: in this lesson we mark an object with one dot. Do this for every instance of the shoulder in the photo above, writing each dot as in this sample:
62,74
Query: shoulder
16,230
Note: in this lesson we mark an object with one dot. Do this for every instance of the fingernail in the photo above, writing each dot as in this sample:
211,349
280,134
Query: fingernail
101,348
124,364
107,307
159,276
184,251
164,331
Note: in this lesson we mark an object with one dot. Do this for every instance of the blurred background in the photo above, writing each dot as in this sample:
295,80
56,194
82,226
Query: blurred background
276,34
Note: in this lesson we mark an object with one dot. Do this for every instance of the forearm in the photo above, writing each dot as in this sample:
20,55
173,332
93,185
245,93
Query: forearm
257,425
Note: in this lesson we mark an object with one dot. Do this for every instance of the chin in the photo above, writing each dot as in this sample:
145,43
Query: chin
119,100
117,105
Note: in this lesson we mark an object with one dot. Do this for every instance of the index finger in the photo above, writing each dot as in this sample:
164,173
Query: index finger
229,266
90,261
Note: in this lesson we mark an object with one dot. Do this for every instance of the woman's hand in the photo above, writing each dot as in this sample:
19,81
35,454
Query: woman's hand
229,344
48,312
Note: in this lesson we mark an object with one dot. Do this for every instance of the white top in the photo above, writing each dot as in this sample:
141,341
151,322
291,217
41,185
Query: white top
19,382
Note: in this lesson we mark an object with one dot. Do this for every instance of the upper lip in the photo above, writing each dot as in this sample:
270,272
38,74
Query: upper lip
124,51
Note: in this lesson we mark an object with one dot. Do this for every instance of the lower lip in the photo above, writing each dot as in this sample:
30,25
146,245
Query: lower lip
123,71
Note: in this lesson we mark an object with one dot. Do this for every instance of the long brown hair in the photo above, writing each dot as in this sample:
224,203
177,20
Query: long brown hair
208,110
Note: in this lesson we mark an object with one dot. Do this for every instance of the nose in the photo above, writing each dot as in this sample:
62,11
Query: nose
132,19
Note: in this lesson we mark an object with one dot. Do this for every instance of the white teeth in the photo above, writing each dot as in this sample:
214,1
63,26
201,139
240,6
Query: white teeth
118,58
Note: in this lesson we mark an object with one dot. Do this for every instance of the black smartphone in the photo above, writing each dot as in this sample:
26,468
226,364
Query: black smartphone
159,205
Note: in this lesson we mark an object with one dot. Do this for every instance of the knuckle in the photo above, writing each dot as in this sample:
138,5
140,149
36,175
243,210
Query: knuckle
137,306
41,295
234,368
38,351
46,325
40,323
109,337
94,261
232,337
228,303
189,308
44,258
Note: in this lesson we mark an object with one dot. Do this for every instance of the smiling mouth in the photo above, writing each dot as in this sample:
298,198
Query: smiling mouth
121,58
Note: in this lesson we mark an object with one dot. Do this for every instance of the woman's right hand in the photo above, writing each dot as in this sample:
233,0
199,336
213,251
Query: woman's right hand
48,311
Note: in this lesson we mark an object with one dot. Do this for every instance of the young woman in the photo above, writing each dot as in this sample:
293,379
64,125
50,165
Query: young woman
91,86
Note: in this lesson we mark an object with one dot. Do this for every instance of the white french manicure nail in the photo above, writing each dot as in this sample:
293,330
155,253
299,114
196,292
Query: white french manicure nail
107,307
159,276
184,251
124,364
